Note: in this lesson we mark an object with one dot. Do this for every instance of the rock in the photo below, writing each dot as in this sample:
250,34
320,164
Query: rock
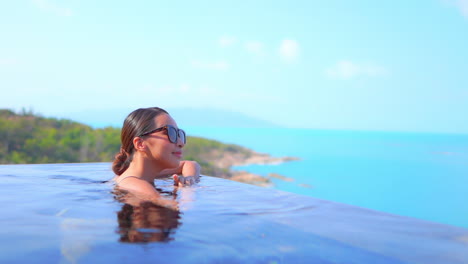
281,177
247,177
305,185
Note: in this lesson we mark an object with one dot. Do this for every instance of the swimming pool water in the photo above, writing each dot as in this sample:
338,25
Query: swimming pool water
67,213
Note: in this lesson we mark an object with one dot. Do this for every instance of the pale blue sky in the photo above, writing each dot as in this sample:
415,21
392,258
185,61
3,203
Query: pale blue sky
364,65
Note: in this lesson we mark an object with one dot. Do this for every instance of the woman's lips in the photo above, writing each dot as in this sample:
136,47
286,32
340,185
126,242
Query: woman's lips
177,154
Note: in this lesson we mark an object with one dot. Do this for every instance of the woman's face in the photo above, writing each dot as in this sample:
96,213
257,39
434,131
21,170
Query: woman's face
158,146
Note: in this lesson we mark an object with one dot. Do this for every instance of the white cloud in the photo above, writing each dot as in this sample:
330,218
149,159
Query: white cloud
463,6
227,40
183,88
254,47
8,62
219,65
289,50
48,6
347,70
203,94
168,91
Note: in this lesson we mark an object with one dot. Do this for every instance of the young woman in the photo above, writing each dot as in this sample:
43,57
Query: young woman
151,148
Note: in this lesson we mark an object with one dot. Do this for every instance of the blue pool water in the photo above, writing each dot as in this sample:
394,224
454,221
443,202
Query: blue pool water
412,174
67,213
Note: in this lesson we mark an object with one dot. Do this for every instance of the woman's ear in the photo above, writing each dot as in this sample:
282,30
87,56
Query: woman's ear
139,143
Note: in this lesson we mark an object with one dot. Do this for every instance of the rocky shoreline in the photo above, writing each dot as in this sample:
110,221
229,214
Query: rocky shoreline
255,158
218,159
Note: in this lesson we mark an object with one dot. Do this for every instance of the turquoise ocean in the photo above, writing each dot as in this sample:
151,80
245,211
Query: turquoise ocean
418,175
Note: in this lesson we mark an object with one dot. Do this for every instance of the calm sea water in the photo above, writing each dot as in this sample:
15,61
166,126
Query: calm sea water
418,175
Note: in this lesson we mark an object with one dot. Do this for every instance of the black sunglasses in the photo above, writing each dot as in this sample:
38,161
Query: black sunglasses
172,133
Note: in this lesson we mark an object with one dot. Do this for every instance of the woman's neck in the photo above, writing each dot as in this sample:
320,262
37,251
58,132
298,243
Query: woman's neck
142,168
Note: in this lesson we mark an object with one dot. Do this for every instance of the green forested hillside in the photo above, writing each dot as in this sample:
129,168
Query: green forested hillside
26,138
29,138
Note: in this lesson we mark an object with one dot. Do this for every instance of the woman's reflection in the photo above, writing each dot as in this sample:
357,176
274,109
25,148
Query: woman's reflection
144,221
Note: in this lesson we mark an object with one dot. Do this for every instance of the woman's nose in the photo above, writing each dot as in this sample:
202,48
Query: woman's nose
180,142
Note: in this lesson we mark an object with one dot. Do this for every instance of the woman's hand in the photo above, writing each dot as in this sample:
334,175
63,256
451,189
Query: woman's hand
190,174
180,180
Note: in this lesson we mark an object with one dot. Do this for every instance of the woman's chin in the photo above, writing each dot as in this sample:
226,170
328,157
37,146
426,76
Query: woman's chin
168,162
175,163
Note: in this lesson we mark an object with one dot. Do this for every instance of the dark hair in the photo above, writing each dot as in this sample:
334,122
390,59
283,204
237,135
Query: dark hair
136,123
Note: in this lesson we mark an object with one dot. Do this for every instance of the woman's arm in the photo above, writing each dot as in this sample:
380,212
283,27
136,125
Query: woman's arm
190,174
189,171
190,168
186,168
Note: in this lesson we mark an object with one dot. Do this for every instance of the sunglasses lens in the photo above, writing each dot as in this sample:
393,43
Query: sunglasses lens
172,134
182,136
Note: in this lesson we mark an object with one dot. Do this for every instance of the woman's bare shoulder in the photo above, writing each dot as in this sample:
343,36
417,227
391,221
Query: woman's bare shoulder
134,183
137,190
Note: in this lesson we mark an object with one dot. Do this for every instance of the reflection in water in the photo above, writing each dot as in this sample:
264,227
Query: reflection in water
78,236
147,223
144,221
